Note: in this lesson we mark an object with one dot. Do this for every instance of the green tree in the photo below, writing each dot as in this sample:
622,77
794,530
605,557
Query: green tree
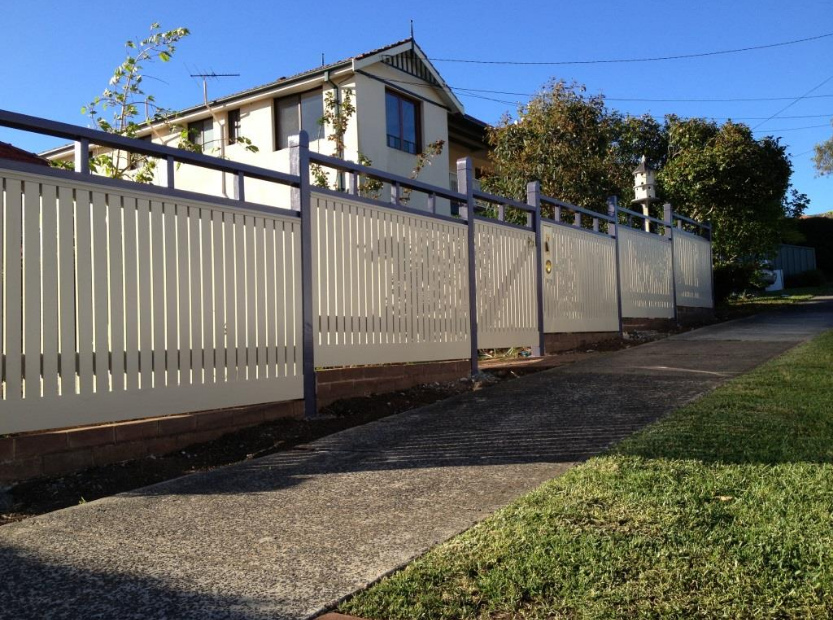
131,109
580,151
823,157
722,174
130,106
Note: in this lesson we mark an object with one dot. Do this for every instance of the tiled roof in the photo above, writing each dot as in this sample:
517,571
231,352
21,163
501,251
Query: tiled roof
9,151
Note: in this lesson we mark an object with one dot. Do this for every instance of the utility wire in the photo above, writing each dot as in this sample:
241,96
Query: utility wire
721,118
792,103
628,60
650,100
464,89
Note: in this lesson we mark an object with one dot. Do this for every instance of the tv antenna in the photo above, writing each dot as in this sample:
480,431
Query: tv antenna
213,75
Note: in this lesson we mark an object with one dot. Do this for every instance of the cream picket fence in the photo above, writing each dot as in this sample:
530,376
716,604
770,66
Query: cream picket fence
645,264
390,286
693,270
580,286
506,279
122,304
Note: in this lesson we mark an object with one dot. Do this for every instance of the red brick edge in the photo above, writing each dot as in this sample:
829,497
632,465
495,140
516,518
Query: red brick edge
63,451
556,343
339,383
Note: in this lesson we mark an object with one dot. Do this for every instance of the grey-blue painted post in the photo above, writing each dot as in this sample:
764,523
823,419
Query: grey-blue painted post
81,153
302,202
170,166
353,184
533,198
465,185
668,216
241,186
613,229
711,262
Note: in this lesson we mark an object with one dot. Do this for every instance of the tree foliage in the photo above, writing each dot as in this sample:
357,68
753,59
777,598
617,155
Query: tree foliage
823,157
132,109
130,106
723,175
583,152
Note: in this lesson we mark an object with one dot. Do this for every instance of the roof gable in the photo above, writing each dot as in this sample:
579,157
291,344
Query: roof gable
408,57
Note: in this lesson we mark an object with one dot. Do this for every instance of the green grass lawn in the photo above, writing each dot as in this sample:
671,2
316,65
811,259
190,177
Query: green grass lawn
753,303
724,509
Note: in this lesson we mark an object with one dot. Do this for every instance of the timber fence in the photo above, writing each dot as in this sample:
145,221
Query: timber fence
122,300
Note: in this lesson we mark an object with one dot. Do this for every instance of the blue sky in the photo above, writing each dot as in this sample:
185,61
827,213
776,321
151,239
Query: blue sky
57,56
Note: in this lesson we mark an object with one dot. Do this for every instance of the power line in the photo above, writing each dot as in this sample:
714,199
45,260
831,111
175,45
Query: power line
795,128
634,99
628,60
720,118
792,103
648,99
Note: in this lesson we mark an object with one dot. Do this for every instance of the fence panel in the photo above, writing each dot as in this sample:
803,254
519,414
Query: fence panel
645,268
112,304
693,270
391,286
580,289
506,286
795,259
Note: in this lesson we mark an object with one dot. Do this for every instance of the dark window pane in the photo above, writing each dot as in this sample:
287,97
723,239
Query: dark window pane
208,135
233,126
201,133
392,115
402,123
312,109
409,128
287,116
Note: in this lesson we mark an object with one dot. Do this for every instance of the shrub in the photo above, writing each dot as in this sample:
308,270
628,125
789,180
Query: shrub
733,278
813,277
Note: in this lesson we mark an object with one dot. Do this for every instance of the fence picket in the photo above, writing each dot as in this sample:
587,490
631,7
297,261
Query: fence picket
31,289
116,270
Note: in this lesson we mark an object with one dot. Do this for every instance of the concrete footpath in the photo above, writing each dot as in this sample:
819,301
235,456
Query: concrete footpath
287,535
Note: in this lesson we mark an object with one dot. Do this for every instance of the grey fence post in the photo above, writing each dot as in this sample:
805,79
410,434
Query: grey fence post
82,156
668,217
465,185
170,167
613,229
302,202
711,263
241,186
533,198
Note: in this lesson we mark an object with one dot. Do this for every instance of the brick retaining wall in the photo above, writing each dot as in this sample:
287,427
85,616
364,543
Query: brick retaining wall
556,343
63,451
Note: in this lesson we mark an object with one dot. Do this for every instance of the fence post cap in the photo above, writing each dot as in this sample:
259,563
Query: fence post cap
299,139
